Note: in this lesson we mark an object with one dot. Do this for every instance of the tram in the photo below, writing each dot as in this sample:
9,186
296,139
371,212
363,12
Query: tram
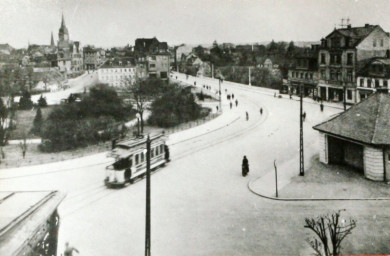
130,159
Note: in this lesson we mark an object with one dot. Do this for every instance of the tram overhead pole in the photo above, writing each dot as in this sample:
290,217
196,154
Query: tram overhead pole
148,210
301,156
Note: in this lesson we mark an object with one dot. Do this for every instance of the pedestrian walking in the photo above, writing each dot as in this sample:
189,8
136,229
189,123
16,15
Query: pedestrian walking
247,116
290,96
261,111
236,102
322,107
231,105
69,250
304,116
233,96
217,108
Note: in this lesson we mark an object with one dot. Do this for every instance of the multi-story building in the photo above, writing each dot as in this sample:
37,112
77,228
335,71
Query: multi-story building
304,72
93,57
118,72
153,57
374,76
341,55
77,57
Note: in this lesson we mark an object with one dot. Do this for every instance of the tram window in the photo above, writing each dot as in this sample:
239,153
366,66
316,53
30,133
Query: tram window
156,151
162,149
136,158
142,157
152,152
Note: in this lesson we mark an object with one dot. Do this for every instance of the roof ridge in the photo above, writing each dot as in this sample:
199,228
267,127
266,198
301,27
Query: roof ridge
377,118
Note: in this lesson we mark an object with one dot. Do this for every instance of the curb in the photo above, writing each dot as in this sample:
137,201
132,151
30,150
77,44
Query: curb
311,199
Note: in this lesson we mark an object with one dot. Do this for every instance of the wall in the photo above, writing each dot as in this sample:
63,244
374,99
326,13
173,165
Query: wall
323,147
373,163
366,49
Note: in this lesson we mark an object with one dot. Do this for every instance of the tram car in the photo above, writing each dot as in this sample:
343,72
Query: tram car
130,159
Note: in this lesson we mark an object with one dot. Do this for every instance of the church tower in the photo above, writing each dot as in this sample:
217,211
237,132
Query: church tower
52,40
63,34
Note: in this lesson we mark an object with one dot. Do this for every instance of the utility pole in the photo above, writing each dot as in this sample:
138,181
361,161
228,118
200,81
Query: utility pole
147,228
276,178
219,79
301,160
250,76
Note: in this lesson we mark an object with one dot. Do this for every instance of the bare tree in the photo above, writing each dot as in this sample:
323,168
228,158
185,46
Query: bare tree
142,91
330,231
4,121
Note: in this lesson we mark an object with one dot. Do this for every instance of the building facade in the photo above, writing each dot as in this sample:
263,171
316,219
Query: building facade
340,56
374,76
153,57
118,72
304,72
93,57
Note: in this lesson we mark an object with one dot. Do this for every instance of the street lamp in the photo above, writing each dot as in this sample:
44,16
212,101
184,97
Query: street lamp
148,212
249,76
138,117
220,81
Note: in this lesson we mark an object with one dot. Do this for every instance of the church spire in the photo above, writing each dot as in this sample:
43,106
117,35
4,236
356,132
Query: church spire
62,20
52,40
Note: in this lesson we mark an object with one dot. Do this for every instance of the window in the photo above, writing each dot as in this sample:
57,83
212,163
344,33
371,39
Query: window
136,158
369,83
163,75
301,75
311,75
374,43
323,74
349,58
382,42
152,65
306,76
162,149
376,83
332,59
388,157
142,157
338,59
349,94
322,58
361,82
332,75
349,76
385,83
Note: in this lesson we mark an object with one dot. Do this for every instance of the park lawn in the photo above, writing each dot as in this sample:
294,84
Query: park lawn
24,122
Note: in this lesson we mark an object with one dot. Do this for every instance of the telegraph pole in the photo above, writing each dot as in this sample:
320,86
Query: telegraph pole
220,107
147,228
301,161
250,76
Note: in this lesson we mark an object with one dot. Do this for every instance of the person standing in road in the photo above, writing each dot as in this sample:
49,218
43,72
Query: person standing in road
69,250
261,111
233,96
236,102
247,116
231,105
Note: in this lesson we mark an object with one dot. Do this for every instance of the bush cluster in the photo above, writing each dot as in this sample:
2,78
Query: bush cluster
95,118
174,106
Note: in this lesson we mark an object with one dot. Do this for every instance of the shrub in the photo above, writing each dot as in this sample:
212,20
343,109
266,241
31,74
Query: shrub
37,123
42,102
25,102
174,107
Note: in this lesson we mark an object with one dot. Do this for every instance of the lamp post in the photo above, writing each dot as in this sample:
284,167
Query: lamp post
138,116
147,219
301,161
344,97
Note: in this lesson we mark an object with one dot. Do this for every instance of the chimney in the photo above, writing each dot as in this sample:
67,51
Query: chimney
366,25
349,26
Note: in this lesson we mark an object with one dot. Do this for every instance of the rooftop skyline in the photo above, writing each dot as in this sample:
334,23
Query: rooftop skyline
120,22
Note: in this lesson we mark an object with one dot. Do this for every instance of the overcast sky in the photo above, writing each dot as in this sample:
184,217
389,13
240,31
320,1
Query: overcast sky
119,22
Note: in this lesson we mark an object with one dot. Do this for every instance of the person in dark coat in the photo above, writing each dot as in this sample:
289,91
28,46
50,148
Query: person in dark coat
236,102
245,166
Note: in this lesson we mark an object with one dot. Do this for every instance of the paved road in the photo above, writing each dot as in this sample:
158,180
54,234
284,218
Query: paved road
200,202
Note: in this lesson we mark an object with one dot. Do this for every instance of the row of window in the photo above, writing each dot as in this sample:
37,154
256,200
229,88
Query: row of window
336,75
302,75
378,42
372,83
115,70
335,59
114,78
155,151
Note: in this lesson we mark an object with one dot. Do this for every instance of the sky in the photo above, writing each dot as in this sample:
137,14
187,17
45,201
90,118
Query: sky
107,23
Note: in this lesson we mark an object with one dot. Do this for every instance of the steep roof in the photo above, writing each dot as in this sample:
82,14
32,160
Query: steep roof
367,121
357,34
